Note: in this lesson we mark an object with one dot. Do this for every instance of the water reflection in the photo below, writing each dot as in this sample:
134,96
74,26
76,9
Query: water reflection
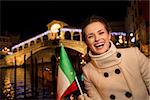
7,80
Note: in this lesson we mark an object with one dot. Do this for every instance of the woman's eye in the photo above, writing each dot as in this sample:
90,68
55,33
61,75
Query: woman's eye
90,36
101,33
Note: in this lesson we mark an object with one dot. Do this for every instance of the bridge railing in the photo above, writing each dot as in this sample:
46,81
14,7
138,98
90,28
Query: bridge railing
62,34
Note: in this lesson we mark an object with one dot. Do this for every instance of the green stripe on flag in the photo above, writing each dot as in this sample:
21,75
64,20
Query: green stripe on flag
66,65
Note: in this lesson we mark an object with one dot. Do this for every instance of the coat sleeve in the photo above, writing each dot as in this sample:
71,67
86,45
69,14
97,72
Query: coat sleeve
144,64
89,86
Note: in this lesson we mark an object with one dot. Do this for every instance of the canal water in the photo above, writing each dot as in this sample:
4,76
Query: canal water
7,79
42,90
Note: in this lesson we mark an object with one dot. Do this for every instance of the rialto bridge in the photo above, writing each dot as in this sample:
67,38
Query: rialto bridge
45,43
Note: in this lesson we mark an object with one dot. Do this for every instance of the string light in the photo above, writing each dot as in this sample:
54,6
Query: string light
133,39
31,39
118,33
131,34
61,30
70,30
45,33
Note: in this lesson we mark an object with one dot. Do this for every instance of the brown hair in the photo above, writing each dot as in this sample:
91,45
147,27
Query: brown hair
92,19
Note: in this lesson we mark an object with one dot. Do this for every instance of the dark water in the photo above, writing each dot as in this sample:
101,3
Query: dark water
7,85
7,79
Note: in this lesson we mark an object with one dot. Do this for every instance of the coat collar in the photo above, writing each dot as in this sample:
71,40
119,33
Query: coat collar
108,59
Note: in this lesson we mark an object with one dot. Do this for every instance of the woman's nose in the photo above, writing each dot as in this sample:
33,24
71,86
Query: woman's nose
97,37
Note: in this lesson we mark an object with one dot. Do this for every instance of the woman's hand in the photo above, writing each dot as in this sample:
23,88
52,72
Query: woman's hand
83,97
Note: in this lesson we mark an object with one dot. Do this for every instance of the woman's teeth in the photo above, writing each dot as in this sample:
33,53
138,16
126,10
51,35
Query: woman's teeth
99,45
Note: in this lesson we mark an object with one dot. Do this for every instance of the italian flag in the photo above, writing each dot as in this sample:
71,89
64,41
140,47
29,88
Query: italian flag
66,76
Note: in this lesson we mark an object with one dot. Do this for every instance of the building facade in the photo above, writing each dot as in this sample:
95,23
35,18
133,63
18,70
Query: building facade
6,42
137,23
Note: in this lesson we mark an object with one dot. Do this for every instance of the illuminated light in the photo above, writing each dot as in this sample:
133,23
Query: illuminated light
118,33
45,33
70,30
10,53
55,27
125,42
82,62
5,48
65,29
117,43
131,34
47,69
31,39
82,56
133,39
8,50
55,31
52,93
120,36
57,37
124,34
114,33
120,41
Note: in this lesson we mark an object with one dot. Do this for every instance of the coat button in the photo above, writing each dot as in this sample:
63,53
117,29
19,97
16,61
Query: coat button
128,94
118,55
106,74
112,96
117,71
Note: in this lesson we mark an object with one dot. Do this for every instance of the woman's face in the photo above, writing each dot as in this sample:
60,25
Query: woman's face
97,38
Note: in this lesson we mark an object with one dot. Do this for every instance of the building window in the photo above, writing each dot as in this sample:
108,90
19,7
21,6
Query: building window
38,40
45,38
26,45
32,43
76,36
20,48
15,50
67,35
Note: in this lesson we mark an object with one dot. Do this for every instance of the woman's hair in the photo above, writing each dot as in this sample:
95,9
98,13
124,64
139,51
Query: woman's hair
95,19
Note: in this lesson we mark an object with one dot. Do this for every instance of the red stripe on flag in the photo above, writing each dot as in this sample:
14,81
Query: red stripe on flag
73,87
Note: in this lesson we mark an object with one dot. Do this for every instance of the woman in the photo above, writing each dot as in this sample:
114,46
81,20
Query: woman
122,74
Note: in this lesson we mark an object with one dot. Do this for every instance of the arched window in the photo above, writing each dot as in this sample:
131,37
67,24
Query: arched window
76,36
31,43
15,50
26,45
67,35
20,48
38,40
45,38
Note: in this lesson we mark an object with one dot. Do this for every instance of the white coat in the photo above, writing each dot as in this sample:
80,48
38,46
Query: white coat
118,74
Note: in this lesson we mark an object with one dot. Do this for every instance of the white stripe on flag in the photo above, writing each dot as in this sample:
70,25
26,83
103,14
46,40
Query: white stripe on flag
63,82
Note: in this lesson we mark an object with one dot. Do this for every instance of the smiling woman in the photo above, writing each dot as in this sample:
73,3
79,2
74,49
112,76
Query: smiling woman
115,70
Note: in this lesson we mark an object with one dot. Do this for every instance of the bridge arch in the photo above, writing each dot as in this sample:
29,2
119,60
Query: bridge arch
70,37
78,46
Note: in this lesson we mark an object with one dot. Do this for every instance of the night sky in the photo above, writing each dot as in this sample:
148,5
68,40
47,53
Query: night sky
31,17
